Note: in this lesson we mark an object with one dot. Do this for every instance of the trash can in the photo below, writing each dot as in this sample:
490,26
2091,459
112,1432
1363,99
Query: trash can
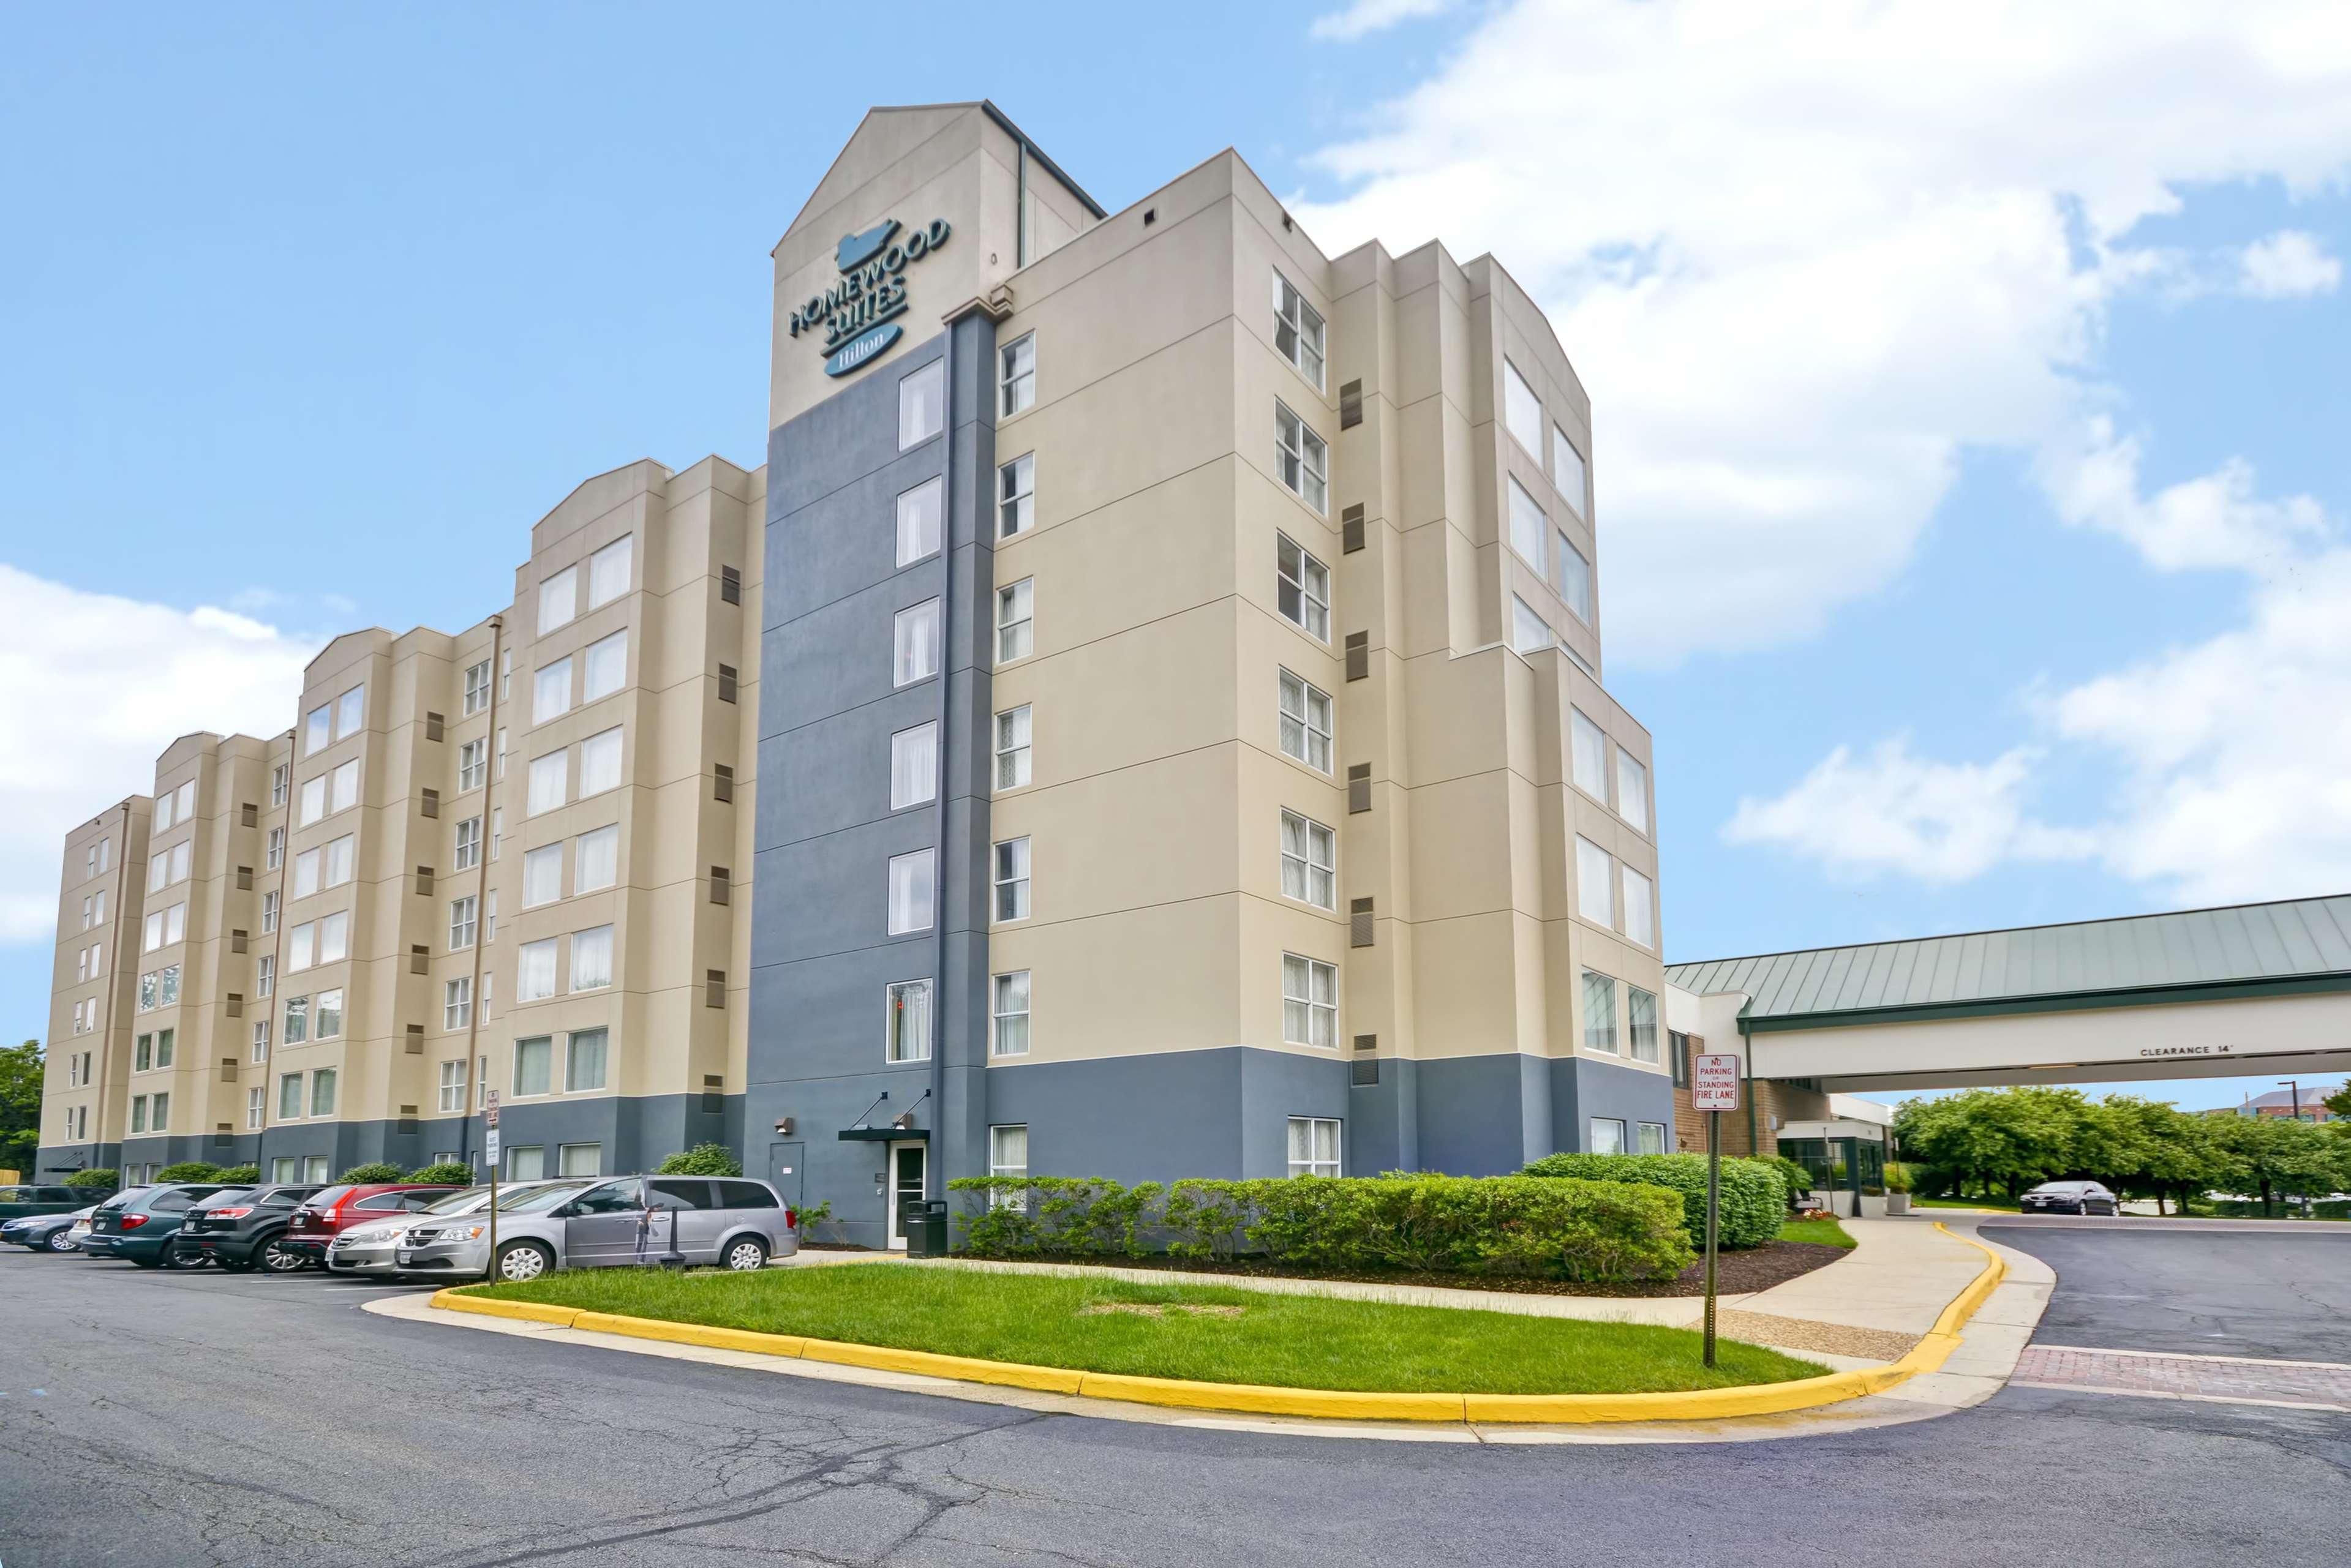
926,1227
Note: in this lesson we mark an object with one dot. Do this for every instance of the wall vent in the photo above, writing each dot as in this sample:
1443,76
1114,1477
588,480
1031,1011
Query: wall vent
1351,529
420,958
1365,1074
1359,787
1359,923
245,879
730,585
1351,404
722,783
425,881
726,682
433,724
235,1004
228,1069
714,1094
1359,655
222,1137
248,815
236,941
713,987
722,886
416,1038
432,802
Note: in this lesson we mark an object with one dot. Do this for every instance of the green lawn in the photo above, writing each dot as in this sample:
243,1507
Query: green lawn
1999,1204
1297,1341
1821,1232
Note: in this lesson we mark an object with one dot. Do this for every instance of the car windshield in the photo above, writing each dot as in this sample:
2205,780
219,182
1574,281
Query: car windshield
459,1202
540,1198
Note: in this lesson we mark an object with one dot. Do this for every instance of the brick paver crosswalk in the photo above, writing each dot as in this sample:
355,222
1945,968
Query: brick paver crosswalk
2313,1384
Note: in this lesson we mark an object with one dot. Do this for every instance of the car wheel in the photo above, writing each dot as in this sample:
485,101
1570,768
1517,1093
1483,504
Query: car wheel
281,1260
62,1241
521,1261
175,1258
747,1255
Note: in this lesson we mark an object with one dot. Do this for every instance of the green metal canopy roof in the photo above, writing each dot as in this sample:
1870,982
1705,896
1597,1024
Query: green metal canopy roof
2198,955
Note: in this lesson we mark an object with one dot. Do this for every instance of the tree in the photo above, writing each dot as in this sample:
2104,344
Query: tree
2340,1101
2273,1154
2153,1149
20,1107
703,1159
376,1172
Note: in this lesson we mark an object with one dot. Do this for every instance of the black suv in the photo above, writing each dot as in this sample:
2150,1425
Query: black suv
243,1233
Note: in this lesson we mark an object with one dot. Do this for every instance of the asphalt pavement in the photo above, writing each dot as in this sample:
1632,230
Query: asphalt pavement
176,1419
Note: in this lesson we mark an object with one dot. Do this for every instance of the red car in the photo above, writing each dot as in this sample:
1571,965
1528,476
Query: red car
316,1224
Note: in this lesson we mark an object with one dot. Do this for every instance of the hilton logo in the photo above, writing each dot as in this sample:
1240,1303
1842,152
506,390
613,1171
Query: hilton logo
854,315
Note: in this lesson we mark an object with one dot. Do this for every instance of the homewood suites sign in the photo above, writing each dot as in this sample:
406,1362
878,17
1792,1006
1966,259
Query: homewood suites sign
854,315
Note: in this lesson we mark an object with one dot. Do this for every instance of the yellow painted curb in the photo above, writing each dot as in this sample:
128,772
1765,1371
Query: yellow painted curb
1690,1405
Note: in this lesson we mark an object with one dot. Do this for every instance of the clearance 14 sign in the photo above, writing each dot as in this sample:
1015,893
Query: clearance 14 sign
853,319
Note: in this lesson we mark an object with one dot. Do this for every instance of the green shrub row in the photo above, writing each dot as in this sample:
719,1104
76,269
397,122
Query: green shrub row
1579,1230
1754,1194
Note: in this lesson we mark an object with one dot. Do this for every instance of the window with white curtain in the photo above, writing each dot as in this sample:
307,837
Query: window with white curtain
921,405
550,691
1641,1023
911,882
1640,909
290,1100
1016,375
600,762
583,1061
306,872
351,712
915,643
1567,471
542,875
918,520
347,786
609,570
1596,883
549,777
1301,456
297,1020
535,971
591,958
1607,1135
559,600
1012,748
335,937
1528,526
913,766
1009,1010
1599,1012
1522,411
1305,722
596,860
1302,587
533,1065
1588,746
318,730
463,915
1310,1001
906,1022
1007,1150
1631,791
1572,575
456,1012
1015,618
1012,880
1652,1138
1297,330
182,860
607,667
466,845
1016,495
300,943
326,1015
341,855
314,799
1313,1146
1309,861
452,1086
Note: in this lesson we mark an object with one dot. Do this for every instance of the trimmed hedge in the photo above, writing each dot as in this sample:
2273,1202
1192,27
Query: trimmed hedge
375,1171
101,1177
1754,1195
1591,1231
189,1170
703,1159
453,1172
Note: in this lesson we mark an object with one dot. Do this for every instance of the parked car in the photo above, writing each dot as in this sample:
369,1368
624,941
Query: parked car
17,1202
48,1232
246,1230
368,1249
617,1222
326,1212
144,1229
2070,1198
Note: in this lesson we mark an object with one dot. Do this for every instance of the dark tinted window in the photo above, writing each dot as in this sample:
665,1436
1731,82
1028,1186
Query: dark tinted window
381,1202
612,1198
171,1202
679,1192
422,1198
284,1198
324,1198
746,1194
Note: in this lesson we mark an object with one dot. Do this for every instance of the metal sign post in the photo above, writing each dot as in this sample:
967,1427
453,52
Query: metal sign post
490,1152
1714,1089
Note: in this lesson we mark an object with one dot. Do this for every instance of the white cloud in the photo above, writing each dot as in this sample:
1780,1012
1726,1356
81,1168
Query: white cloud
1364,17
1803,259
2286,264
92,687
2213,521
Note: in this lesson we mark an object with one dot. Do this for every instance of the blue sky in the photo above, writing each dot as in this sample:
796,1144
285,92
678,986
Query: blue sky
1938,420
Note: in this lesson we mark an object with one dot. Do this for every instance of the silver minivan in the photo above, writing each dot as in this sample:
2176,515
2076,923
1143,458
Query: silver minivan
618,1222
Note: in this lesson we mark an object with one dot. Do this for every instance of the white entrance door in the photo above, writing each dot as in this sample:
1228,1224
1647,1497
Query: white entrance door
906,1173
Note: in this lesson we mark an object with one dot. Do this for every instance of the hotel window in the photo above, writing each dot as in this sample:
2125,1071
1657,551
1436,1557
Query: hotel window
1588,746
139,1113
1652,1140
162,1120
477,687
351,711
1008,1151
275,855
1599,1013
326,1015
550,692
456,1007
921,405
913,766
1641,1023
918,521
549,777
334,937
526,1161
142,1053
183,855
147,992
1014,613
1530,632
1012,748
466,851
607,667
100,908
1012,880
322,1091
534,1063
81,966
1522,411
502,751
462,925
497,829
88,914
473,764
159,871
1305,723
1016,376
175,925
290,1100
489,932
579,1159
591,958
1528,527
542,875
1313,1146
163,822
1297,330
167,986
906,1022
339,859
559,600
306,872
1631,791
1596,883
1016,495
1567,470
318,730
1572,577
915,643
506,675
298,1019
609,570
1310,1001
1302,588
1009,1010
314,799
1607,1135
261,1039
1301,456
1640,909
453,1086
163,1040
583,1060
264,977
278,776
1309,861
347,786
596,860
600,762
256,1104
535,971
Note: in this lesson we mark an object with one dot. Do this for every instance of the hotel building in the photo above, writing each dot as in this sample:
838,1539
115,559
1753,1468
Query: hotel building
1147,715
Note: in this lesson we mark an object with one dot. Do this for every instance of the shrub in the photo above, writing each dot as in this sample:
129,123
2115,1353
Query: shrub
1897,1177
451,1173
189,1170
1754,1197
1427,1224
239,1173
1798,1179
103,1179
377,1171
703,1159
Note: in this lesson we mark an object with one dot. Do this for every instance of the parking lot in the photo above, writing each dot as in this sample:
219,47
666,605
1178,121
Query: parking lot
172,1417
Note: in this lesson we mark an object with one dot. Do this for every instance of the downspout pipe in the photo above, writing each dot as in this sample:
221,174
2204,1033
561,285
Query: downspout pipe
481,899
933,1178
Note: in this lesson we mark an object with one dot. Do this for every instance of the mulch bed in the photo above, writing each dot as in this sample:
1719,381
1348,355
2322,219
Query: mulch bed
1759,1269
